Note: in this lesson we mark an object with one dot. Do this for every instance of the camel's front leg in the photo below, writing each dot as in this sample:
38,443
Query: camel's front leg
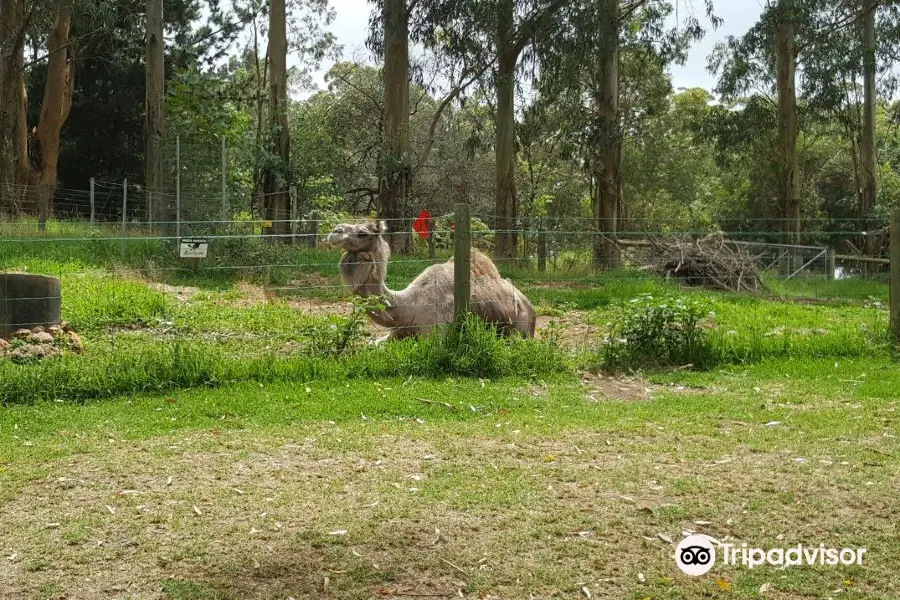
398,333
380,340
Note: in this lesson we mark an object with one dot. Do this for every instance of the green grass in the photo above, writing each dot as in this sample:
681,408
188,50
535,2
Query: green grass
142,338
238,435
850,289
499,490
138,364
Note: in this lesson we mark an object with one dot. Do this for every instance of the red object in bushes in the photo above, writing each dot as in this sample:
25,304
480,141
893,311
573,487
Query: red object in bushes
422,225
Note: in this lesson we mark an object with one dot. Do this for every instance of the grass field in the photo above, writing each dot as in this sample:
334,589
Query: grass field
226,436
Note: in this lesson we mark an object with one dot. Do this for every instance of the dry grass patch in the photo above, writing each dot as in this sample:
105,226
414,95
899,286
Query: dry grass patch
389,508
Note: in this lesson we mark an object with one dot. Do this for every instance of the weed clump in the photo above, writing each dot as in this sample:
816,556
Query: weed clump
660,332
473,348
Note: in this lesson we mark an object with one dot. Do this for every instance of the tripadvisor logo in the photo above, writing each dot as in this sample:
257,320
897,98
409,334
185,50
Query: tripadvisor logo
696,554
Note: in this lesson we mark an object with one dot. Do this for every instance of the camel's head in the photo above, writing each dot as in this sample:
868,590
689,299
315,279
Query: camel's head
361,237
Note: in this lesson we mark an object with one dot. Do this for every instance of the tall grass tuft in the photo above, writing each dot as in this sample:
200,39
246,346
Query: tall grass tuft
474,350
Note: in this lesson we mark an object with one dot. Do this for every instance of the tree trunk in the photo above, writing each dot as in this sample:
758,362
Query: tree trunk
606,162
505,151
506,205
394,167
867,143
275,179
157,212
13,150
788,168
54,112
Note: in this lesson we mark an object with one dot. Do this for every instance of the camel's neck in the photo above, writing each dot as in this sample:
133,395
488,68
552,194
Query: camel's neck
365,272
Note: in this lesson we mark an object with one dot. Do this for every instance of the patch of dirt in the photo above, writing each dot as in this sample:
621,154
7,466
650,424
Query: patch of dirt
571,329
631,388
312,280
600,387
316,307
250,295
182,293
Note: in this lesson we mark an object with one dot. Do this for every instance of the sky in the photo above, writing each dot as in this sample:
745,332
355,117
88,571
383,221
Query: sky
352,20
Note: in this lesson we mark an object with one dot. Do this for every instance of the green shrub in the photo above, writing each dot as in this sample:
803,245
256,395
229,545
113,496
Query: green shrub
474,349
659,331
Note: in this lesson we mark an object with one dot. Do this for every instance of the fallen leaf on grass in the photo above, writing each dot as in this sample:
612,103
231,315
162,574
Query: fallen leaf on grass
338,532
723,584
585,591
197,510
664,538
764,588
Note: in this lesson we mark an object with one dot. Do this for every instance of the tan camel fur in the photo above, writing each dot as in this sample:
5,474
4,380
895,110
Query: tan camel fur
428,300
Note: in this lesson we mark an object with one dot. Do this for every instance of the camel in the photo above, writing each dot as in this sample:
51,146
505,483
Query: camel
428,300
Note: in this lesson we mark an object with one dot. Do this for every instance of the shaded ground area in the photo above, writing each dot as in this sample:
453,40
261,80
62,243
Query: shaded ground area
365,490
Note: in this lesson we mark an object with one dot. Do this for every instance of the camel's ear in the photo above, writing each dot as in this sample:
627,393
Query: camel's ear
378,227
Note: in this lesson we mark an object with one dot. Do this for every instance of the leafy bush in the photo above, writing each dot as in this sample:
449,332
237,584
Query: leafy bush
659,331
474,349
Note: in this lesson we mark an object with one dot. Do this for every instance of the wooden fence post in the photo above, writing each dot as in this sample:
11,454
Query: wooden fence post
124,210
895,276
462,237
312,230
542,249
829,263
431,234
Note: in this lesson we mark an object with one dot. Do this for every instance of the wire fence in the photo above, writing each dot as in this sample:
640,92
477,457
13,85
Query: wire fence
302,271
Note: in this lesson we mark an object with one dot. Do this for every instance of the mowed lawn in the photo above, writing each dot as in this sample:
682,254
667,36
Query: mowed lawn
414,488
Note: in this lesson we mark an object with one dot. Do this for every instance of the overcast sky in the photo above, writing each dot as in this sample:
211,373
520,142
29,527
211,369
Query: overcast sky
352,20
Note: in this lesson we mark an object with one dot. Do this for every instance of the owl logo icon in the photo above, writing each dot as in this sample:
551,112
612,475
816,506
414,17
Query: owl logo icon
695,555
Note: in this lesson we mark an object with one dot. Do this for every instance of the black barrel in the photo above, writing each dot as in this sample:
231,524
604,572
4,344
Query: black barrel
28,301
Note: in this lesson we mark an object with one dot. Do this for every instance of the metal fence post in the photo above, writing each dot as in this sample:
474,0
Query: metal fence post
895,275
92,201
462,234
124,208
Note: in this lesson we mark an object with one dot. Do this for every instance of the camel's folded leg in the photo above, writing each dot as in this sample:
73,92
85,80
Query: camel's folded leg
397,333
380,340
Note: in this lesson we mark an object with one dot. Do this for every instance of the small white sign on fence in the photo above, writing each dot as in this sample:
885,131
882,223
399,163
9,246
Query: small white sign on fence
194,247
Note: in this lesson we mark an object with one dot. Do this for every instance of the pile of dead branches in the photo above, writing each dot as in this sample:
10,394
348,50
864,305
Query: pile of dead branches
711,261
